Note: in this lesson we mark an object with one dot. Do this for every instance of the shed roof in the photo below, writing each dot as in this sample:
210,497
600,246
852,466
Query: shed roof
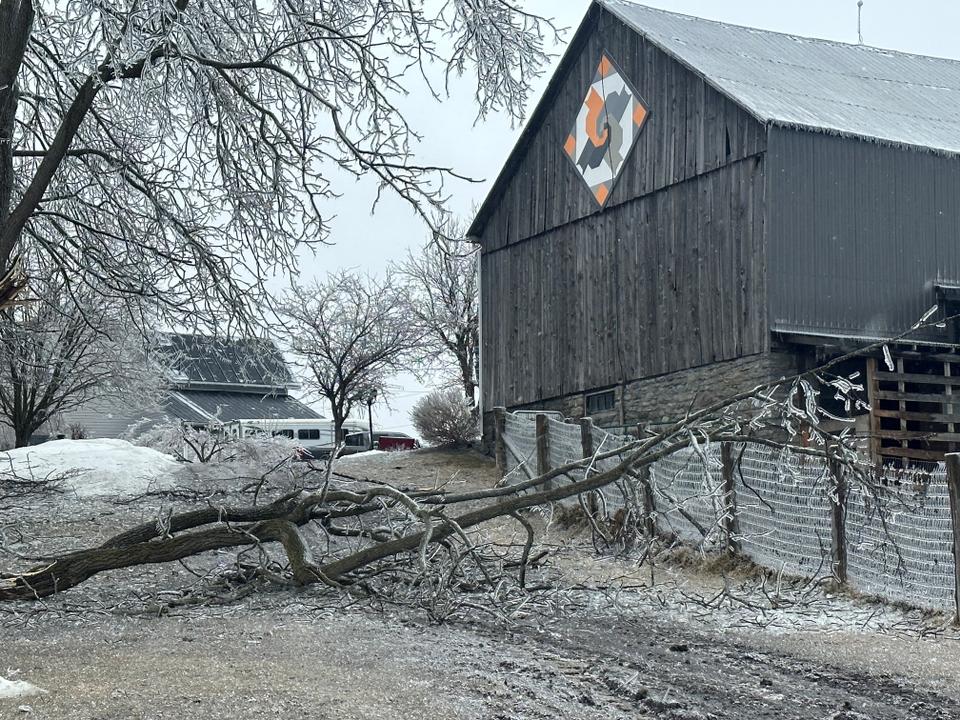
822,85
204,406
206,360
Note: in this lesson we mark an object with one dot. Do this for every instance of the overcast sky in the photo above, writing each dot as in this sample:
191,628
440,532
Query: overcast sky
375,242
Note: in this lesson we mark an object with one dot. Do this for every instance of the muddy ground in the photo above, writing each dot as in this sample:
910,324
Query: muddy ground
607,639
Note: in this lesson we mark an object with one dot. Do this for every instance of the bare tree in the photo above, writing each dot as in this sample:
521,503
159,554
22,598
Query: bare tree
182,150
348,333
61,350
445,304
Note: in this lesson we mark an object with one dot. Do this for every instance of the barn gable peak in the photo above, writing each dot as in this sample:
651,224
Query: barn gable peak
883,96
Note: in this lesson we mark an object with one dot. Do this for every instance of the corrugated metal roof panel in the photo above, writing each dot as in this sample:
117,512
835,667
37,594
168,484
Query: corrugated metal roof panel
200,406
832,87
204,359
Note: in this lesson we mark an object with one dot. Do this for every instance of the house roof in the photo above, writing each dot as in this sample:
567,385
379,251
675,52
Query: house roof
851,90
202,406
205,360
821,85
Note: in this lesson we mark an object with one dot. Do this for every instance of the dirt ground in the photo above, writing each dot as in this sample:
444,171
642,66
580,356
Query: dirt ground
619,640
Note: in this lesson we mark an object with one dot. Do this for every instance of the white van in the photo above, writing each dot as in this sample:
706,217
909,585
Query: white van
314,436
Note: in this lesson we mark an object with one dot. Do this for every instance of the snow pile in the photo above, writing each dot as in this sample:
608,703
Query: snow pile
94,467
17,688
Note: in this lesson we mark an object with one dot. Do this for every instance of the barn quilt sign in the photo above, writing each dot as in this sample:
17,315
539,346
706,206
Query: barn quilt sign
608,124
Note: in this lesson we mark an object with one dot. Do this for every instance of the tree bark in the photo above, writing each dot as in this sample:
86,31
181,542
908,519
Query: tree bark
70,570
22,431
16,22
338,420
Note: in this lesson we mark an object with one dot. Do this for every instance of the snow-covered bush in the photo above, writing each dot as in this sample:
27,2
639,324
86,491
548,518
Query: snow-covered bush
444,417
264,451
213,444
183,441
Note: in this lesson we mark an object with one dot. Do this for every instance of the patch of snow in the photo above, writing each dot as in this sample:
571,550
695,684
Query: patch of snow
18,689
94,467
377,456
365,453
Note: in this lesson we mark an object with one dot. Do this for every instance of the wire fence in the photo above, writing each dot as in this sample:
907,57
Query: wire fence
782,510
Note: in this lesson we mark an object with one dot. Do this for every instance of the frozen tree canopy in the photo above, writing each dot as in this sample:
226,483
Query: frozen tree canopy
182,151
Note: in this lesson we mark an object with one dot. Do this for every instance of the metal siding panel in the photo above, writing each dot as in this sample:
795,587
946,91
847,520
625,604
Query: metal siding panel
103,418
235,406
859,234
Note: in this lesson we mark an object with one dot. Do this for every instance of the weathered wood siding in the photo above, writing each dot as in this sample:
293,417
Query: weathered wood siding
691,130
669,276
859,233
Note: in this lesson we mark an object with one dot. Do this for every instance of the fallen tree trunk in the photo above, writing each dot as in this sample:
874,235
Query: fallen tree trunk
186,534
70,570
157,542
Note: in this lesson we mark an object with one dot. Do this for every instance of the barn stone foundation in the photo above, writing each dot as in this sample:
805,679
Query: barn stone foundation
667,397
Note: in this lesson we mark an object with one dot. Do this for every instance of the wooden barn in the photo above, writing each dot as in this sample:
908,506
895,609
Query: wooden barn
695,207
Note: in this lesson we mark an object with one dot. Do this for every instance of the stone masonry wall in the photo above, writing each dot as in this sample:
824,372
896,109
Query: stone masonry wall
666,397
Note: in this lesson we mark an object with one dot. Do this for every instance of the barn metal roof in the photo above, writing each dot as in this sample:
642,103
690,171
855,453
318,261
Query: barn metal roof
821,85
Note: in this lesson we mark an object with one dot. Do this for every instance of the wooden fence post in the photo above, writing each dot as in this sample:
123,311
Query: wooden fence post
586,448
649,505
543,447
586,436
731,525
499,430
953,482
838,519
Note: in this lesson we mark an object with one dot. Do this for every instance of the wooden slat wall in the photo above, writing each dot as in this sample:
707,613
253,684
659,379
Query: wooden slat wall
670,275
913,416
685,135
662,283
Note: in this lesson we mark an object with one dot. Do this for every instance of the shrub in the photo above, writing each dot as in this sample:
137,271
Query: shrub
211,445
184,442
444,417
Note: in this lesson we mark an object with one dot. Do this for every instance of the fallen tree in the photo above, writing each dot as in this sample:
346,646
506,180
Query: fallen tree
422,535
425,518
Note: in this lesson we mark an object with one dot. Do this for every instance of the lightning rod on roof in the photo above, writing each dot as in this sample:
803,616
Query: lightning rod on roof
860,21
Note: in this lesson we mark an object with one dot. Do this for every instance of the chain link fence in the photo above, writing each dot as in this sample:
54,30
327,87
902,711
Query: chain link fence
782,511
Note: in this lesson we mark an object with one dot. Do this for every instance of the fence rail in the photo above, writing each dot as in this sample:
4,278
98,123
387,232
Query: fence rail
898,539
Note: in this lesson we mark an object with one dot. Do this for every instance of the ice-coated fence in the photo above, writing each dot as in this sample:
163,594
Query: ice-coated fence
688,492
783,511
899,545
564,445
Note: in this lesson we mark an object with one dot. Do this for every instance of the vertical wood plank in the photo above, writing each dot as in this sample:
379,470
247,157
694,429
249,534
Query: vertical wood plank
543,445
873,402
903,408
